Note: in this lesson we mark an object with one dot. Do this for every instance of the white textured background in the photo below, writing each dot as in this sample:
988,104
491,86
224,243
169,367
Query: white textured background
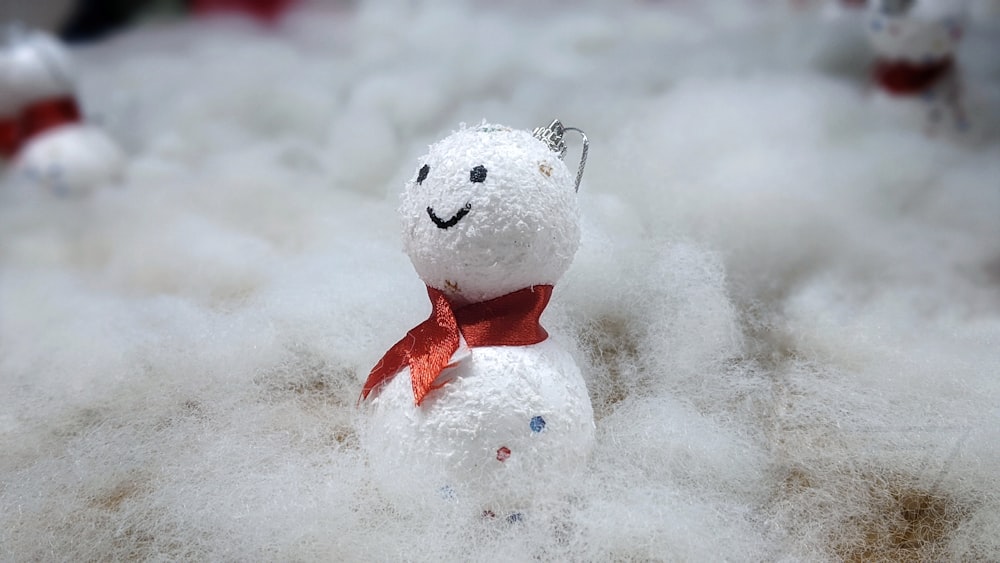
786,306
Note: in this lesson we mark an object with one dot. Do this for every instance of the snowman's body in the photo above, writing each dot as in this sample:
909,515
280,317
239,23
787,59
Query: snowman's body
70,160
918,78
57,151
508,420
491,213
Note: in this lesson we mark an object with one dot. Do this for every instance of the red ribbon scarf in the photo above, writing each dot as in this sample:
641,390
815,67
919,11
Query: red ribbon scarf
35,119
10,136
508,320
901,78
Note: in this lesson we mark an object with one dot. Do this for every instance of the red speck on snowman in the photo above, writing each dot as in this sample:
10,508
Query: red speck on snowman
503,454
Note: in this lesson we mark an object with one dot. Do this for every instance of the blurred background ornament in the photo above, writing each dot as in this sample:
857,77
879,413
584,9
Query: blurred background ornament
915,44
42,131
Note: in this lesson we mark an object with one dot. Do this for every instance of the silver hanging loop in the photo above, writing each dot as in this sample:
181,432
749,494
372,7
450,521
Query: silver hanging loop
552,136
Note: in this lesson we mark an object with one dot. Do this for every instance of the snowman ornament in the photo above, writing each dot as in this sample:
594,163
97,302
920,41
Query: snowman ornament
914,43
43,138
477,402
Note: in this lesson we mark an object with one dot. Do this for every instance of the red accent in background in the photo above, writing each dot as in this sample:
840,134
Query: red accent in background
10,136
904,77
48,114
34,120
263,10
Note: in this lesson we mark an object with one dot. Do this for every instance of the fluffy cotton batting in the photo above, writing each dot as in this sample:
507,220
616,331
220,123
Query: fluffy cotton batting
785,303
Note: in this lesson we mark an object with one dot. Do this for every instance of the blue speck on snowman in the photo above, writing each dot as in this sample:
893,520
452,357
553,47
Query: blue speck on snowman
876,24
537,424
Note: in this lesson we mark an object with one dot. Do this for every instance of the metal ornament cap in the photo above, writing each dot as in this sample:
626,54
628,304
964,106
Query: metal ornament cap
552,136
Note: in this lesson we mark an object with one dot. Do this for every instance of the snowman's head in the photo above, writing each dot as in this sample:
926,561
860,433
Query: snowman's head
918,31
490,210
34,66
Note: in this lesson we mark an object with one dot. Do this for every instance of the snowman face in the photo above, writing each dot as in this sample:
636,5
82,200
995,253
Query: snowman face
490,210
918,32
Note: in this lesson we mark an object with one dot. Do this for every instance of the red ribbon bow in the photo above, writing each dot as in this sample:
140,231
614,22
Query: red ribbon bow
508,320
34,120
901,77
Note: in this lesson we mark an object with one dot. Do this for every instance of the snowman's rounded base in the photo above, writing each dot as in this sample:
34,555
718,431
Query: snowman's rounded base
69,161
511,427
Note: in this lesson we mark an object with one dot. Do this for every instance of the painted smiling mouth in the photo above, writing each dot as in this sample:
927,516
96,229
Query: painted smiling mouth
442,224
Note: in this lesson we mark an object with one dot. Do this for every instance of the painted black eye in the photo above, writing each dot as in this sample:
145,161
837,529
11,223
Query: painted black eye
422,175
478,174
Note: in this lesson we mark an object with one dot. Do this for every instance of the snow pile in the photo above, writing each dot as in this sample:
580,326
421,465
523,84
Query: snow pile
786,303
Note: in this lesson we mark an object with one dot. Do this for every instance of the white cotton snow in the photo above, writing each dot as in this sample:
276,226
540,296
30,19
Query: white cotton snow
786,302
